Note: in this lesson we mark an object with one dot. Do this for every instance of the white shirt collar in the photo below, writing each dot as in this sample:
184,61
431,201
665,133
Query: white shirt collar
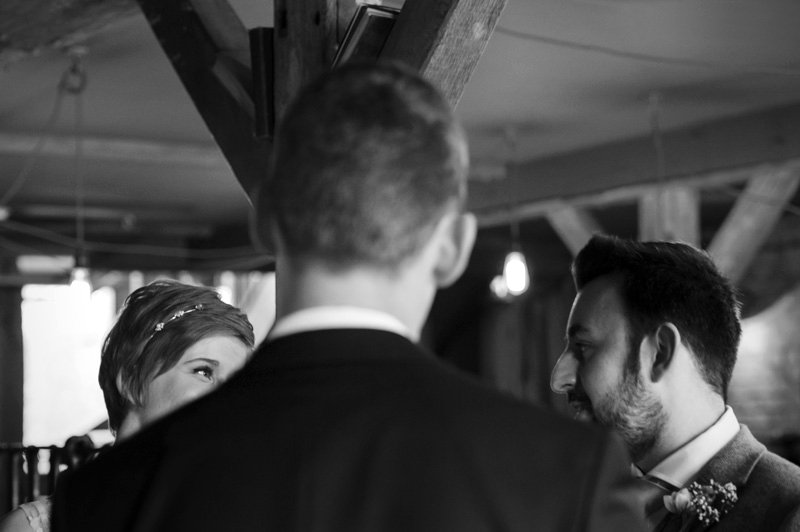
337,317
682,465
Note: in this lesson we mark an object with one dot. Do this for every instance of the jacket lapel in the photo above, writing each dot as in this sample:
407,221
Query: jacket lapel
734,463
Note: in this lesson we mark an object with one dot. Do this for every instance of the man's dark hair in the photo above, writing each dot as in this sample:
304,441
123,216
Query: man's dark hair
366,161
670,282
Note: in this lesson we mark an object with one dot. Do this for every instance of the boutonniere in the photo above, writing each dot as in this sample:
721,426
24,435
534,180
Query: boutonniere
708,502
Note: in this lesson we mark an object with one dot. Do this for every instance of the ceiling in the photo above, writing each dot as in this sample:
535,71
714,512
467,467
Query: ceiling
587,83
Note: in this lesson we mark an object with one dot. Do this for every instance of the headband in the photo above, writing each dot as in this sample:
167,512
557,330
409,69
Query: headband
177,315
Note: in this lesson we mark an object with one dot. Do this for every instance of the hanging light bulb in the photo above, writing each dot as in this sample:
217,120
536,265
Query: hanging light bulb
74,82
80,283
515,273
515,279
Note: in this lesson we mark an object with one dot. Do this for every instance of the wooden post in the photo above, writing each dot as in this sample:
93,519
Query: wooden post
670,213
11,370
305,44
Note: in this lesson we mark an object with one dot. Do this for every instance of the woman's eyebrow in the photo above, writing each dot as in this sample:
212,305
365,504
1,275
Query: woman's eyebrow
210,361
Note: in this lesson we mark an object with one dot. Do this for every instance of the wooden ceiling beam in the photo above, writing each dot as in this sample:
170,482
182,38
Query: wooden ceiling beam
443,39
117,149
206,43
752,219
307,33
305,44
722,151
574,225
628,193
670,213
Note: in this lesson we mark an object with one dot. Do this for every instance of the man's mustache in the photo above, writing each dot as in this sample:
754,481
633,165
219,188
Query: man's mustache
577,399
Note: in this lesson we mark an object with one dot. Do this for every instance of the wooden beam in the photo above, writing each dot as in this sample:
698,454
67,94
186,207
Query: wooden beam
443,39
574,225
730,148
118,149
670,213
630,193
11,359
203,39
751,220
305,44
30,26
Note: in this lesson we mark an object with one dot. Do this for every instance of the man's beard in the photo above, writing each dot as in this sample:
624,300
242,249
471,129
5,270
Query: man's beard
636,414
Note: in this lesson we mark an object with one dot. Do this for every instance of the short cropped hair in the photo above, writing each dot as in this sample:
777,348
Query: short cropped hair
145,342
671,282
366,161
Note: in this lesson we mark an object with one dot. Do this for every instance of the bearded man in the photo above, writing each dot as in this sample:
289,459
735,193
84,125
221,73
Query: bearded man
652,340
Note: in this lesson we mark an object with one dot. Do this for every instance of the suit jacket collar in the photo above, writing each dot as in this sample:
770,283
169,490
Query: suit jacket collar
734,463
337,347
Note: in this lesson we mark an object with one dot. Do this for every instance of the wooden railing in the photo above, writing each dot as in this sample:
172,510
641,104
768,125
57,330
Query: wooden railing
30,472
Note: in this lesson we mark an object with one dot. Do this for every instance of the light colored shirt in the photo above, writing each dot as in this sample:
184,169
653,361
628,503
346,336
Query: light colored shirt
682,465
338,317
38,514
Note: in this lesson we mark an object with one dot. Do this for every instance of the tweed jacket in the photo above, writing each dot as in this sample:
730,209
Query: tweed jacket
354,431
767,486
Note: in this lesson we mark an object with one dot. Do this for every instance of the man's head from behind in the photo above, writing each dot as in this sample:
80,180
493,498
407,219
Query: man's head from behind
632,294
367,160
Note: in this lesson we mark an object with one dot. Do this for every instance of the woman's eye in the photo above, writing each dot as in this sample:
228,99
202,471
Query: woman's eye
205,372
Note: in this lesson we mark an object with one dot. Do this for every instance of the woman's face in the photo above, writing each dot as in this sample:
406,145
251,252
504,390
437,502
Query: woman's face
203,367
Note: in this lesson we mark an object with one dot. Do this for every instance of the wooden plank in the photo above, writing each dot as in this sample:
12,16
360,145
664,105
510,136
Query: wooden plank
750,222
670,213
305,44
574,225
118,149
502,215
198,42
738,144
30,26
443,39
11,359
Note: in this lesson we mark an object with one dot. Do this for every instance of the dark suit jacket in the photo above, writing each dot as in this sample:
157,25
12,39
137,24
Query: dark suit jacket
767,486
354,430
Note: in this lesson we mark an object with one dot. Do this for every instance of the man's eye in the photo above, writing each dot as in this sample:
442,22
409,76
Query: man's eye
579,350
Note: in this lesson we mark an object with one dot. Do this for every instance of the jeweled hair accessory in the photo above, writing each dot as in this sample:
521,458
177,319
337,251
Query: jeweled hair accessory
177,315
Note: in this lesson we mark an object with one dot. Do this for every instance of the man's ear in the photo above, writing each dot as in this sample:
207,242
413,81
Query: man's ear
667,339
456,248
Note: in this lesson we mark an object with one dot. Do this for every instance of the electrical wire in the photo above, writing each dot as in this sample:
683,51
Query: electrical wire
73,81
674,61
658,145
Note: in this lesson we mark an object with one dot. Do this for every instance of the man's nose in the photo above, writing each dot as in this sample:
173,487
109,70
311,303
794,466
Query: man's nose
564,373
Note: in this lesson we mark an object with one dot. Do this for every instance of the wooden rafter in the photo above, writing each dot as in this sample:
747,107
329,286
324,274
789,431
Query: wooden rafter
306,35
207,45
727,150
670,213
574,225
443,39
629,193
119,149
752,219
